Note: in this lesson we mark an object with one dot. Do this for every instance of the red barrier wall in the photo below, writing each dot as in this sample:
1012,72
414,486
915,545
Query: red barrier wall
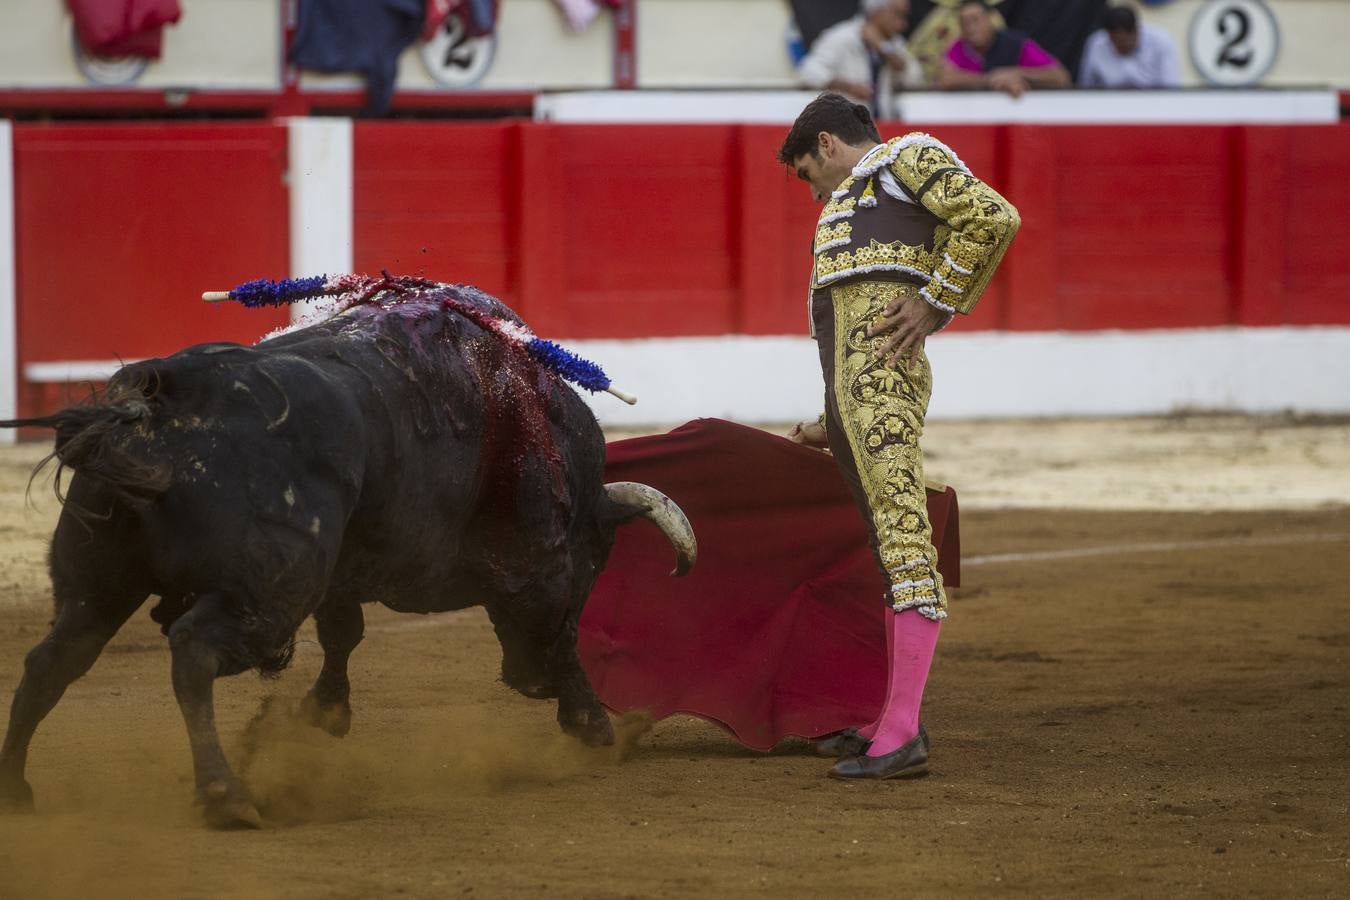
119,228
630,231
647,231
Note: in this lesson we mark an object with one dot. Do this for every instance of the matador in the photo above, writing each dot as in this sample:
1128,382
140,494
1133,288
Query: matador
908,238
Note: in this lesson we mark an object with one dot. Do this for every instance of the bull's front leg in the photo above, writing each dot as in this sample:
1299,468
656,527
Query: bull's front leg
196,639
525,663
341,626
579,710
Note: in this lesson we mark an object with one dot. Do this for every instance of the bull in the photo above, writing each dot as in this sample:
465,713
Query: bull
400,452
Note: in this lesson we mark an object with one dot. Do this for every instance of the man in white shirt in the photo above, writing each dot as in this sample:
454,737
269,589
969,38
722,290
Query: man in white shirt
865,57
1125,54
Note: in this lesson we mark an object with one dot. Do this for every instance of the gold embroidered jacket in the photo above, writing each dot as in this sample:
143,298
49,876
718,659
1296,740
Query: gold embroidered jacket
913,212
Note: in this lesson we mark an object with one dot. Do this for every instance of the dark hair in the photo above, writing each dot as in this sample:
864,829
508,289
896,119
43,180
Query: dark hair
982,4
1120,18
850,122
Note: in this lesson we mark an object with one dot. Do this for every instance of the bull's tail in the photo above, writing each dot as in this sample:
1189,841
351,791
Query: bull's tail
91,438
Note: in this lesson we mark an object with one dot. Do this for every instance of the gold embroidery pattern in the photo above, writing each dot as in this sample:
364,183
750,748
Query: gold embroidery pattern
835,235
882,411
838,209
978,225
876,257
982,223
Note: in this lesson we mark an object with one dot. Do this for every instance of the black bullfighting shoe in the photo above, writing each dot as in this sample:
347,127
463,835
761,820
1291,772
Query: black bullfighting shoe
842,743
909,761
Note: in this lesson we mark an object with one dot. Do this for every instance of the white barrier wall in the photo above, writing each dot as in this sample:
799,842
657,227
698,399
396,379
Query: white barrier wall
975,376
1136,372
321,189
1210,107
992,374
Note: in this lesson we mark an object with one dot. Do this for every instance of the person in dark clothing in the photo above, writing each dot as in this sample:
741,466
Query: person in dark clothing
358,36
989,58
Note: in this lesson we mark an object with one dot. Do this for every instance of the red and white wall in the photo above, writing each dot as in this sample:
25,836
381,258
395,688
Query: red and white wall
1159,266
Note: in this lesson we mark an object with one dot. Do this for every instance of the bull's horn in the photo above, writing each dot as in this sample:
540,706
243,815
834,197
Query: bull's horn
667,516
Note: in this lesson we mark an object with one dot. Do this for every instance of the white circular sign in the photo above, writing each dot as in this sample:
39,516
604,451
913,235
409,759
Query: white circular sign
1234,42
106,70
455,60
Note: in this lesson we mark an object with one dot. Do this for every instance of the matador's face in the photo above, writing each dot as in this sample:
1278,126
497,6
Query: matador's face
826,167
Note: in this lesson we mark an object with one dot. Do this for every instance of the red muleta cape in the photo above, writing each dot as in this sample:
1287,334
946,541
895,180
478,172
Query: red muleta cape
778,630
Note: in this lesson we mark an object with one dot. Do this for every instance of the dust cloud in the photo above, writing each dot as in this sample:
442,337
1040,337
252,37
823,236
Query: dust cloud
300,774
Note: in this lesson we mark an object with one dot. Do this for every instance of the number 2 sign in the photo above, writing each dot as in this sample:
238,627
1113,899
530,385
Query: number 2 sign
1234,42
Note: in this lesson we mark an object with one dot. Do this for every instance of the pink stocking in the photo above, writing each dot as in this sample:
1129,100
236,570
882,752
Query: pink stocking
869,730
912,639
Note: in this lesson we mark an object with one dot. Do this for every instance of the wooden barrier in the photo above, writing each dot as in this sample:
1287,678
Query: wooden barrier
634,231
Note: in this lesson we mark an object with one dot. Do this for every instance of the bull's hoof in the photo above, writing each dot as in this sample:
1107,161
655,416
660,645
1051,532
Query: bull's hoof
530,681
334,718
537,691
228,809
591,727
16,796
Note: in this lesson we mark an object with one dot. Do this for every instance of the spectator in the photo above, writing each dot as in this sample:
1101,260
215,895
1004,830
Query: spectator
1125,54
865,57
989,58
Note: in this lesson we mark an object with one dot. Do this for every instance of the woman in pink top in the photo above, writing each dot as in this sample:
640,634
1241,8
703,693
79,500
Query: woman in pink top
987,58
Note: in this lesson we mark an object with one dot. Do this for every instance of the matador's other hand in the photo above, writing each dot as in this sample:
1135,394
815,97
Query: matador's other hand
911,320
812,434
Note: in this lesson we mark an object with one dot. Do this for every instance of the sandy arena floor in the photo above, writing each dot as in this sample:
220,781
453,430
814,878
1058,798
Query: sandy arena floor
1143,691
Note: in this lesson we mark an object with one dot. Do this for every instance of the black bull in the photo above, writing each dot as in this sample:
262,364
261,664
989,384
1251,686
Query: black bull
397,453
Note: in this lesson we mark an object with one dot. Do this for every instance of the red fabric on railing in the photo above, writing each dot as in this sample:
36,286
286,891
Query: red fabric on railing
778,630
123,27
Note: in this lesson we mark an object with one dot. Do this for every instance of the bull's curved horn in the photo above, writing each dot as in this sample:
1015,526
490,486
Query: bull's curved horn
667,516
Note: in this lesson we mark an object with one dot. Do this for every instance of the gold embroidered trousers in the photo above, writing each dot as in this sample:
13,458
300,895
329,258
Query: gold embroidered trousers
874,418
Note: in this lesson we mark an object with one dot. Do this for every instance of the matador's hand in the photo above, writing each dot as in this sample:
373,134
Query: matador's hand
912,321
812,434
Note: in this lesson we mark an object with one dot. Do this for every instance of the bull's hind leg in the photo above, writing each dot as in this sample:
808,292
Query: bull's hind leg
341,626
206,644
78,636
88,614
